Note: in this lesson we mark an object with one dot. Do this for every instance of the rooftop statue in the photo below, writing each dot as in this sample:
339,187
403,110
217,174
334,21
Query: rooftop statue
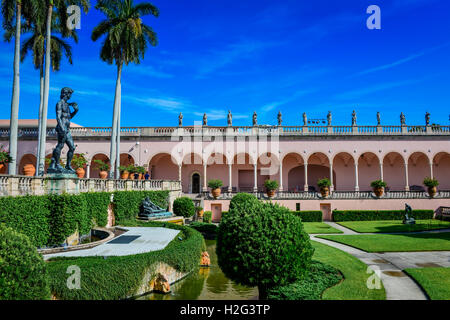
280,119
305,119
63,117
205,120
427,118
329,117
180,120
230,119
378,119
354,118
402,119
255,119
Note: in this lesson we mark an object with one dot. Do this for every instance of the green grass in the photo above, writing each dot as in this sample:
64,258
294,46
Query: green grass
355,275
319,227
394,243
392,226
435,281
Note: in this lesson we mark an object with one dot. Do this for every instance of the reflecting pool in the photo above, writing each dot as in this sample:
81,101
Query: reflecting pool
207,284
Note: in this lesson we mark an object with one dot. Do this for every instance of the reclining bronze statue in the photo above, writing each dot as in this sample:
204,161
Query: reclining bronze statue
150,210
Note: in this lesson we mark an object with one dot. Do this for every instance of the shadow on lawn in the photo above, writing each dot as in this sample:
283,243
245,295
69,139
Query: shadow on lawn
420,226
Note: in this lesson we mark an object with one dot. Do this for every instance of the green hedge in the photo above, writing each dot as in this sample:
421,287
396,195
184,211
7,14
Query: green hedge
208,230
372,215
118,277
309,216
48,220
207,217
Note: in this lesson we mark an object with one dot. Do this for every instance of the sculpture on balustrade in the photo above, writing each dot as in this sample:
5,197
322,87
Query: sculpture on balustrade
150,210
280,119
63,118
354,118
255,119
408,219
205,120
230,118
329,118
305,119
180,120
427,118
402,119
378,119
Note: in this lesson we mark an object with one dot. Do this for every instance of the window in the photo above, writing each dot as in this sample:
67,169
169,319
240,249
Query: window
297,206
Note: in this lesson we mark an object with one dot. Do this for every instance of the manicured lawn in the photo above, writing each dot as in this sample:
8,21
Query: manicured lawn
319,227
435,281
355,277
394,243
394,226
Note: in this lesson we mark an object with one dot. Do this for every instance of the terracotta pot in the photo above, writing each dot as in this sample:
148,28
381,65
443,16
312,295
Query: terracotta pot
325,192
29,170
103,174
80,173
271,193
1,167
432,191
378,191
216,193
200,214
125,175
141,176
131,176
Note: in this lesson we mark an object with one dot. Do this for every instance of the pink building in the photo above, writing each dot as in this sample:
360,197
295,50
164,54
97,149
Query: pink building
296,156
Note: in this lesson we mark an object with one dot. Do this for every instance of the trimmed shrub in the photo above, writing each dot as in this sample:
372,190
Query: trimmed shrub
262,244
309,216
372,215
208,230
242,198
23,273
184,206
207,217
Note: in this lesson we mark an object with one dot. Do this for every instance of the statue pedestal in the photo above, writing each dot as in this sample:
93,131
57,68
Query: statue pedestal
59,183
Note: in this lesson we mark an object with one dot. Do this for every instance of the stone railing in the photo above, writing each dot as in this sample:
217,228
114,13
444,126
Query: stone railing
32,133
21,185
338,195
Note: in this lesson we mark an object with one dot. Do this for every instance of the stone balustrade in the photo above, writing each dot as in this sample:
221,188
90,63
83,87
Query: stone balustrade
22,185
32,133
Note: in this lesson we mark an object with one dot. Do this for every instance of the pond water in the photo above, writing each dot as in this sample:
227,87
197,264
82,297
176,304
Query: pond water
207,284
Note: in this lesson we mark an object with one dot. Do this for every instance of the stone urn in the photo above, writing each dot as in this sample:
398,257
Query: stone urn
216,193
378,191
125,174
103,174
271,193
80,173
29,170
325,192
432,191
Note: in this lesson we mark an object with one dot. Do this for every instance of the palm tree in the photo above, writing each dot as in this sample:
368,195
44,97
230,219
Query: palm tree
61,6
14,10
126,41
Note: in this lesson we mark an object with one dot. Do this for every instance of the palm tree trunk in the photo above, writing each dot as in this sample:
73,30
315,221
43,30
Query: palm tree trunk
14,121
43,133
39,168
118,142
117,99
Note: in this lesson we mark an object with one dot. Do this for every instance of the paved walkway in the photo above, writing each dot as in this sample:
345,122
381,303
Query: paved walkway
134,241
398,285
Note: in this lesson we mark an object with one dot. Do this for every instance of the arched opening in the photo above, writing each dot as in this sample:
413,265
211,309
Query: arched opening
192,163
418,169
126,159
195,183
368,170
318,168
243,172
218,169
394,171
294,181
441,170
94,171
163,167
27,165
268,169
344,169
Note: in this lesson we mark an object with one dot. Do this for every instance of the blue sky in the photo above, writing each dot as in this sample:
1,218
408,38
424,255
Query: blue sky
264,56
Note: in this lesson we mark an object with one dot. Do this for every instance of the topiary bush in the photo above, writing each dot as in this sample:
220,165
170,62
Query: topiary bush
23,273
242,198
184,206
262,244
207,217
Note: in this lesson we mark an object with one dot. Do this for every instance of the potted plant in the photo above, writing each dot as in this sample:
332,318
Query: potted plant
432,186
378,187
199,211
103,167
271,187
132,170
141,172
215,187
124,173
5,158
79,163
324,186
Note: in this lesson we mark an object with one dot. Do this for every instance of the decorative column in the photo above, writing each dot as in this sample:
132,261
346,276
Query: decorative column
356,178
406,177
88,170
205,183
230,183
281,177
179,172
255,177
331,177
381,171
306,188
431,169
